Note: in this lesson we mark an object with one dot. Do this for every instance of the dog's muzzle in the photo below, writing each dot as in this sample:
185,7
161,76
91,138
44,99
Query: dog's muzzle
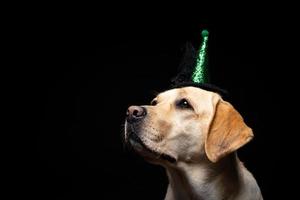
134,120
139,145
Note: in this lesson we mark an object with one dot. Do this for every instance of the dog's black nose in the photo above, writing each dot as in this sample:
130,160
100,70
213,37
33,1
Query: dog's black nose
135,113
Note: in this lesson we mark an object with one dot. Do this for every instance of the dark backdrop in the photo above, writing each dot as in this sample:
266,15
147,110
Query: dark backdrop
85,70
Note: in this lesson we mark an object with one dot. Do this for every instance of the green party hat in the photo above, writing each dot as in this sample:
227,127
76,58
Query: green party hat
194,68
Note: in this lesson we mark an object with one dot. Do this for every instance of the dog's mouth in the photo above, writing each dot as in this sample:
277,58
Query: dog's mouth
140,146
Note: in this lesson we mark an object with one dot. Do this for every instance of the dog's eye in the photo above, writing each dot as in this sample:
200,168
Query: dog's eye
153,103
183,103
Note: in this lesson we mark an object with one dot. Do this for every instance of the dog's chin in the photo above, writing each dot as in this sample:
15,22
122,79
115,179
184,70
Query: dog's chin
141,149
150,155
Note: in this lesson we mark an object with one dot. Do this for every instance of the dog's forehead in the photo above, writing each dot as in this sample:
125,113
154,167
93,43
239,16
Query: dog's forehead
185,92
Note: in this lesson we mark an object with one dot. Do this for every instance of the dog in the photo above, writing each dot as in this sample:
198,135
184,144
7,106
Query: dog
194,134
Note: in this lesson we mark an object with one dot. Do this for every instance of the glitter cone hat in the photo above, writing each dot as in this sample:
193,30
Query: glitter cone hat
194,68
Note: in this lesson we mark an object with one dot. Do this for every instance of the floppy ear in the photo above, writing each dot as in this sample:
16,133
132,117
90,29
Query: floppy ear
227,132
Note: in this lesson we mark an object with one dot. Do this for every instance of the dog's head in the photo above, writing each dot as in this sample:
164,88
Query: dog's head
185,124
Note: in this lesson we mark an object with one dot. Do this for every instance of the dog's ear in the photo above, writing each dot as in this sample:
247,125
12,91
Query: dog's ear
227,132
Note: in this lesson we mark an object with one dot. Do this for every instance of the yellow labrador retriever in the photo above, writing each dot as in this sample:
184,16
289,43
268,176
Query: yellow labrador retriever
193,133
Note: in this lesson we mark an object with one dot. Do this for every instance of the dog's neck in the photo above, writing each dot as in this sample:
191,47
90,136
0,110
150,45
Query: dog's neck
204,180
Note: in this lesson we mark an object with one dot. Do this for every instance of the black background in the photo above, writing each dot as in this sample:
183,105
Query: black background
84,68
